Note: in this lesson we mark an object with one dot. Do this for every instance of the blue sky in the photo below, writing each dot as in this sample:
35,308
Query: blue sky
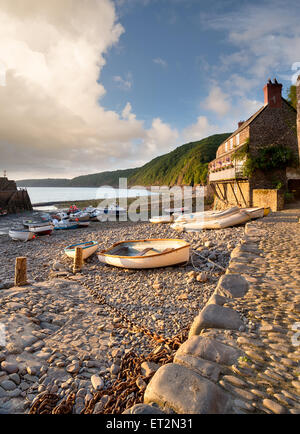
173,52
95,85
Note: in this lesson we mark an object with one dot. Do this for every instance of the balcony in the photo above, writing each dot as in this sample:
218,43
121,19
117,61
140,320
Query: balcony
226,173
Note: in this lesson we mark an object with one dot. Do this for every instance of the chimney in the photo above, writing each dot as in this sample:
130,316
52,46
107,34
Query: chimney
240,123
272,93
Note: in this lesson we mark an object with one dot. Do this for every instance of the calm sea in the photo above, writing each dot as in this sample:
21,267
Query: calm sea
58,194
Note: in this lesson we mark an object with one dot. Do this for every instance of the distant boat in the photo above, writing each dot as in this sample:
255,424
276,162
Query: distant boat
41,230
88,248
162,219
153,253
21,234
83,224
65,224
79,216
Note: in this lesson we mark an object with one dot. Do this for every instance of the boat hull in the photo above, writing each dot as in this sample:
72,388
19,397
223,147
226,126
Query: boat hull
21,235
162,219
179,254
88,249
41,230
225,222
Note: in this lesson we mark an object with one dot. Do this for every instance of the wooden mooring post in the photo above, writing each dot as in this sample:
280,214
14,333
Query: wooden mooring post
78,259
21,271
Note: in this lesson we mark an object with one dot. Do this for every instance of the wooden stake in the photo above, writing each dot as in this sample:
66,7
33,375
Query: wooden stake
78,259
21,271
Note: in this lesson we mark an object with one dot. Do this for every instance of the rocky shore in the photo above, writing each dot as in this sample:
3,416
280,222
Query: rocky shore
60,340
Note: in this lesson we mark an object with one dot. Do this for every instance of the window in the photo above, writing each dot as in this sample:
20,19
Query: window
226,146
237,139
231,143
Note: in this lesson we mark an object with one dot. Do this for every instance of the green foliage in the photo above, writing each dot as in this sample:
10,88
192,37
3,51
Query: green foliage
187,164
292,96
274,157
242,152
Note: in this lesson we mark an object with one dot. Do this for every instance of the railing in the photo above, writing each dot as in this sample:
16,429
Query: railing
235,172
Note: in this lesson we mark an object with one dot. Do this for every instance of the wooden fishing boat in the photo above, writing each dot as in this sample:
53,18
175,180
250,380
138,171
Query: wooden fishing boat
162,219
218,223
21,234
41,230
88,248
152,253
79,216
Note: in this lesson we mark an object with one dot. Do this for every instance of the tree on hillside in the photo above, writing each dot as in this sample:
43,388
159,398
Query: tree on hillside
292,96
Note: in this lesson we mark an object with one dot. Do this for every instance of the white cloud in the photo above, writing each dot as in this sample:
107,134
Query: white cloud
52,121
161,62
265,36
217,101
124,83
201,129
160,138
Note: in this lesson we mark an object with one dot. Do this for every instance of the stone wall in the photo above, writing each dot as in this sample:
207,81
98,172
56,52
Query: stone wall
236,193
274,126
268,198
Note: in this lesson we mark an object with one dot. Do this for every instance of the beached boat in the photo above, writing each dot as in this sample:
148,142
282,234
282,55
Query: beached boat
267,211
21,234
254,213
65,224
226,221
79,216
3,212
41,230
153,253
204,215
40,223
176,210
83,224
88,248
162,219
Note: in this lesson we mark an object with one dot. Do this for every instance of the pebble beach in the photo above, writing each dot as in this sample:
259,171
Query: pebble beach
60,339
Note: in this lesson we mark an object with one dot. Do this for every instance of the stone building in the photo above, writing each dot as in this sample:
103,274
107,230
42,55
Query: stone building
13,200
271,127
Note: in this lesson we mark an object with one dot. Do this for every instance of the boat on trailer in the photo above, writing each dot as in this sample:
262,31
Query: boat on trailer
149,253
89,248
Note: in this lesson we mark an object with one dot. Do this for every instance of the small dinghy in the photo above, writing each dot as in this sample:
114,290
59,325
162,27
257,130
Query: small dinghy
88,248
65,224
226,221
254,213
162,219
41,230
205,215
146,253
40,223
83,224
21,234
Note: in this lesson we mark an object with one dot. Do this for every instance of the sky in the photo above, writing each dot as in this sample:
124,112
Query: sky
94,85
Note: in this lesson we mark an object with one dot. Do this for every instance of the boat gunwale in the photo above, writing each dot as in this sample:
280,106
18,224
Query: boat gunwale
102,252
72,246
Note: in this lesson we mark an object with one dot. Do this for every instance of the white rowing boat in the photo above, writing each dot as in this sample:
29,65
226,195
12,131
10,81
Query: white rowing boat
254,213
205,215
42,229
219,223
162,219
20,234
153,253
89,248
